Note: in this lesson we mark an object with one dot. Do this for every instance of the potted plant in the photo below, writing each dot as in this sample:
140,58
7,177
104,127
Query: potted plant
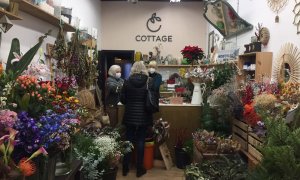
100,151
182,157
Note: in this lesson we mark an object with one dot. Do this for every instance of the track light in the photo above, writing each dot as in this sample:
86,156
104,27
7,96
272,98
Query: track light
174,1
133,1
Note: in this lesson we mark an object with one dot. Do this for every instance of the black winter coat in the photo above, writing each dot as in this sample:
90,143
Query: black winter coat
133,96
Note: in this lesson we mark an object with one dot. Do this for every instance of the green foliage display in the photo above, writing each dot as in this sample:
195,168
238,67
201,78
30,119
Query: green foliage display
222,168
281,153
217,120
222,75
16,68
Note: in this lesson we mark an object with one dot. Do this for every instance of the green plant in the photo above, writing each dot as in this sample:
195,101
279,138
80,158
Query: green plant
16,68
222,75
221,168
281,153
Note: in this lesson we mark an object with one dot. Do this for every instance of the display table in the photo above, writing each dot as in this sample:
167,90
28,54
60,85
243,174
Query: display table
179,116
75,174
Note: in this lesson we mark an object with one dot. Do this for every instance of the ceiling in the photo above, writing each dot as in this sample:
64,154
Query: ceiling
157,0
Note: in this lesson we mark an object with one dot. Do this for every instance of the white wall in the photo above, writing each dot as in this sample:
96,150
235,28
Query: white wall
122,21
30,28
258,11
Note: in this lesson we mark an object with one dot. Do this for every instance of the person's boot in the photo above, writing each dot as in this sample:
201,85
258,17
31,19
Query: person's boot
125,170
140,171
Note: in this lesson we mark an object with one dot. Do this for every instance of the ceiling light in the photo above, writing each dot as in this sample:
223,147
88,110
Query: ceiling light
5,23
174,0
133,1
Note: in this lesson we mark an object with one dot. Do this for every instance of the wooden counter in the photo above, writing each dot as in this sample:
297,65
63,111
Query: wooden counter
186,116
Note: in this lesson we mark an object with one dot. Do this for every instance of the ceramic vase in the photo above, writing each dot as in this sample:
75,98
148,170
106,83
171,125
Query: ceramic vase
199,89
4,3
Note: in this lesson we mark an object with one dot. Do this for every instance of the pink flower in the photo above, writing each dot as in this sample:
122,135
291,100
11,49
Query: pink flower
7,118
41,150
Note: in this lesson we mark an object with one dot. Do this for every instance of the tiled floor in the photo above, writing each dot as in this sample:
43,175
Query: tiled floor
158,172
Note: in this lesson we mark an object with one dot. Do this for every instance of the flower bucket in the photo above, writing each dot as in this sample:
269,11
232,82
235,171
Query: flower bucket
148,155
182,158
111,174
45,168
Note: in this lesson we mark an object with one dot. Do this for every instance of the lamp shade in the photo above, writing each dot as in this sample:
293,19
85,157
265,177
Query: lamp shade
5,23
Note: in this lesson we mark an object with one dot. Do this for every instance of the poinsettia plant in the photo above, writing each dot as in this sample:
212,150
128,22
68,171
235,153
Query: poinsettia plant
192,53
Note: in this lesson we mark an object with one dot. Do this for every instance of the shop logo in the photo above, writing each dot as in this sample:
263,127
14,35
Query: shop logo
151,23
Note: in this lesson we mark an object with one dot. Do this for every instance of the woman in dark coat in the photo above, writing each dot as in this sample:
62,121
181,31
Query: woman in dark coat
136,119
157,78
114,85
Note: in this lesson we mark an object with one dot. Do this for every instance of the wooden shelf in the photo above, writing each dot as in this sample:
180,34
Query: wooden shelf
253,53
10,16
187,66
43,15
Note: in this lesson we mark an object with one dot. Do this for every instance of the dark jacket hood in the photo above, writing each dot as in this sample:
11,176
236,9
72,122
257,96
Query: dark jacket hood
138,80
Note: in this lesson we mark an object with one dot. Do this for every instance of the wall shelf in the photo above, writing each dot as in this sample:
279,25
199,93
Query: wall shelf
43,15
10,16
187,66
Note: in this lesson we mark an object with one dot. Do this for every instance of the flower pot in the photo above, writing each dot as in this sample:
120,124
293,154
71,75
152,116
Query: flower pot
182,158
63,164
148,155
110,174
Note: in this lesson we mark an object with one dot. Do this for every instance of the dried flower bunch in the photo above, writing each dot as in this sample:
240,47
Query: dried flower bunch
290,93
264,102
228,146
161,131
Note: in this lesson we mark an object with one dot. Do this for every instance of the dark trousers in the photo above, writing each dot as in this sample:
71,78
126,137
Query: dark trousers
136,135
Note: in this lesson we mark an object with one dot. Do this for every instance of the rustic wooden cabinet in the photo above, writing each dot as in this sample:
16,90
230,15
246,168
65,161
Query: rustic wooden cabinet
255,66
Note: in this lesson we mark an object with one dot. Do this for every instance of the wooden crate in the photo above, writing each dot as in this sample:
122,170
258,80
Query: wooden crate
240,133
254,152
254,140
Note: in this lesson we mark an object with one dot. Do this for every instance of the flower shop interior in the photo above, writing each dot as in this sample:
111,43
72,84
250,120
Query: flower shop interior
229,86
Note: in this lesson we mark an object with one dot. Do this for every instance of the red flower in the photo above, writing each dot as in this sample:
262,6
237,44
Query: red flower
192,53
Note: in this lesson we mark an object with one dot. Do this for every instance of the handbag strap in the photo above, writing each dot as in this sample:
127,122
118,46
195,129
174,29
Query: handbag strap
147,84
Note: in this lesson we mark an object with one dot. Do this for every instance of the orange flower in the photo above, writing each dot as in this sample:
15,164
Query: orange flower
27,168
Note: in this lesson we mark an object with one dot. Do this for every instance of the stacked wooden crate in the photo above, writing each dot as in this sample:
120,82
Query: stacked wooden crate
240,134
254,143
250,142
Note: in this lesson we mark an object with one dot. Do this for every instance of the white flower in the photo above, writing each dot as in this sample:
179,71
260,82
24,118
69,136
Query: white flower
17,57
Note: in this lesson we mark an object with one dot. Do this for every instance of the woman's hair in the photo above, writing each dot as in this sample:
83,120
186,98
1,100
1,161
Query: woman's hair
139,68
113,69
153,64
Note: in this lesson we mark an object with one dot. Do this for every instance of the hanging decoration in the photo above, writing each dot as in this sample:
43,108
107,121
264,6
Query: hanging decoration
287,64
296,11
276,6
262,34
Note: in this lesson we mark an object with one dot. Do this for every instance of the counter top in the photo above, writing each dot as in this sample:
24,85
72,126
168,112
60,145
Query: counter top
161,104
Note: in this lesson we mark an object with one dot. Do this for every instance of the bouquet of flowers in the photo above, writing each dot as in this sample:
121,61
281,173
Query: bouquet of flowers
199,75
100,151
192,53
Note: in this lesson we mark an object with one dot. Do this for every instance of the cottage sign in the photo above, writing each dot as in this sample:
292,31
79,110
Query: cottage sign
153,25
